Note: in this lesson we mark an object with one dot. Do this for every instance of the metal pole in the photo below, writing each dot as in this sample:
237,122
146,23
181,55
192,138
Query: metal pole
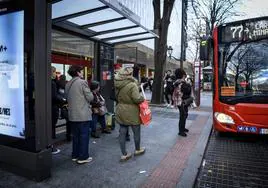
183,7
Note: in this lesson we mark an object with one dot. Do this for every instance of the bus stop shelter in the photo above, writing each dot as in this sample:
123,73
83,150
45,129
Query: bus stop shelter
106,22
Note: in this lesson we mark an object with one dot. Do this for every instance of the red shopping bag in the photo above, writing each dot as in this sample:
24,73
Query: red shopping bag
145,112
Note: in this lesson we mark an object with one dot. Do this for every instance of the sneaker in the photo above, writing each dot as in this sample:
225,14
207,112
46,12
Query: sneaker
186,130
74,159
55,151
84,161
106,131
140,152
182,134
94,135
125,157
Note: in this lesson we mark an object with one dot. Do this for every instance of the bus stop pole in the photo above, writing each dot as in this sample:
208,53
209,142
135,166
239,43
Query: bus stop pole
197,81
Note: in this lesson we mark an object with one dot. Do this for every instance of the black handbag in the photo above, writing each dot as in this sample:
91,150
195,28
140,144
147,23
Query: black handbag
188,101
64,112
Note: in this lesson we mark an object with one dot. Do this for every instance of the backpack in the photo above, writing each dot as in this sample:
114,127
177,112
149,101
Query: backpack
186,89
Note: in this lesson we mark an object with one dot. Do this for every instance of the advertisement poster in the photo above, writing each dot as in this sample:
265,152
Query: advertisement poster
106,75
12,118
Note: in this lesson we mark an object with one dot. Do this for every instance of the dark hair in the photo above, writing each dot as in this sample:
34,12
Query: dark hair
62,77
179,73
94,85
74,69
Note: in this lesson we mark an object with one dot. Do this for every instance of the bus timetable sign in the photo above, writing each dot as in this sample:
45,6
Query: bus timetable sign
245,31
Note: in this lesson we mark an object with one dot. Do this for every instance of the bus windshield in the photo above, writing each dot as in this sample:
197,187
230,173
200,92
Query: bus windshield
243,72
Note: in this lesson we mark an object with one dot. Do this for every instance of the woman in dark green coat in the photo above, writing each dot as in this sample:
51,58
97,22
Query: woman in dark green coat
127,109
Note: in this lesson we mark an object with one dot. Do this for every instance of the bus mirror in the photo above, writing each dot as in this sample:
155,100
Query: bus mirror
204,48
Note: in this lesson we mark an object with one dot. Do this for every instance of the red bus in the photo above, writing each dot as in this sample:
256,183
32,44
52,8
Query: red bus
240,76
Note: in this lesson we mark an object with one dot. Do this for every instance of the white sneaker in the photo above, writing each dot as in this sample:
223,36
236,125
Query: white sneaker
140,152
55,151
125,157
84,161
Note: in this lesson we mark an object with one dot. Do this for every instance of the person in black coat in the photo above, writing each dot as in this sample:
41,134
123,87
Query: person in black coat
56,101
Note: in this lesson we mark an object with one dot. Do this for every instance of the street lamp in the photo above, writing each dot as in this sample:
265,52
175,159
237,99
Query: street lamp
169,51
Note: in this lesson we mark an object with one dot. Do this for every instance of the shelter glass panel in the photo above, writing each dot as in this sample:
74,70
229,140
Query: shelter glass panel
67,7
124,32
113,25
99,16
132,38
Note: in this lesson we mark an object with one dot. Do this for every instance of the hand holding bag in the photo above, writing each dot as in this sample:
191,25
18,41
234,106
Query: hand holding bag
102,110
145,112
188,101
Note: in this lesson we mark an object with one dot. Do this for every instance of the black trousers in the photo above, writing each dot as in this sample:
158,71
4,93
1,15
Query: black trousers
55,116
168,95
183,116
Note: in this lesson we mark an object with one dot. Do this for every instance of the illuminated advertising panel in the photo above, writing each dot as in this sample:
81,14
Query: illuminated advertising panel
12,113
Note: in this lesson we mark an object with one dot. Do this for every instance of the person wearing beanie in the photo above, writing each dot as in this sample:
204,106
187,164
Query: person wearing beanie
98,110
127,110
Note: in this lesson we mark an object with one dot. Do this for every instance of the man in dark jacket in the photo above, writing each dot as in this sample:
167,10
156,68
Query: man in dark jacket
56,100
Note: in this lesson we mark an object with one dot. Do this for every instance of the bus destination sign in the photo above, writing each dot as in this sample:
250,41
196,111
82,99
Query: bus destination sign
244,31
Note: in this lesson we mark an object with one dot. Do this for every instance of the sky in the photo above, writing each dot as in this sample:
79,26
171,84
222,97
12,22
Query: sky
254,8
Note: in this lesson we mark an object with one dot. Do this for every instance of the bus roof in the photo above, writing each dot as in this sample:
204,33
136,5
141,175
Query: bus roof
243,21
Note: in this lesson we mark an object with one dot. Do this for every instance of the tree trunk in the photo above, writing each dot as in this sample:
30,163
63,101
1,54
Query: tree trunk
160,50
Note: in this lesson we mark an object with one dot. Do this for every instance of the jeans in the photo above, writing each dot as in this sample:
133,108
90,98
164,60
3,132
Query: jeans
122,137
80,132
183,116
68,130
95,119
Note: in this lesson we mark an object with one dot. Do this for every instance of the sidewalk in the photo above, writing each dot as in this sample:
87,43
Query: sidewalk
169,160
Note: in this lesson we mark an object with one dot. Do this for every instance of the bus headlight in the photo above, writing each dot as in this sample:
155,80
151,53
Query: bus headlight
223,118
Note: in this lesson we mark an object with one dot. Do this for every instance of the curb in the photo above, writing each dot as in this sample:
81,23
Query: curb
158,105
190,173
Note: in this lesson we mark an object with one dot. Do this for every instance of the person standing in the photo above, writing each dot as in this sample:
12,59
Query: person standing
79,98
56,101
182,92
97,116
61,86
127,110
169,80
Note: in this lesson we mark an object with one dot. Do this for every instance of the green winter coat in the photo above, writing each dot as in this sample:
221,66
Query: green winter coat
128,100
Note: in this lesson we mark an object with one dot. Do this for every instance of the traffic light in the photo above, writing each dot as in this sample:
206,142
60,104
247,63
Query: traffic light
204,48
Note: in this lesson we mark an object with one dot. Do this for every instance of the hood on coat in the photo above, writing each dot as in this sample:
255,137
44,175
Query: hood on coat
122,80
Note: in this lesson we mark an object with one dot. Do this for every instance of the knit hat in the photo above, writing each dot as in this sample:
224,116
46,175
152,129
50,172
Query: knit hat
127,71
94,85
